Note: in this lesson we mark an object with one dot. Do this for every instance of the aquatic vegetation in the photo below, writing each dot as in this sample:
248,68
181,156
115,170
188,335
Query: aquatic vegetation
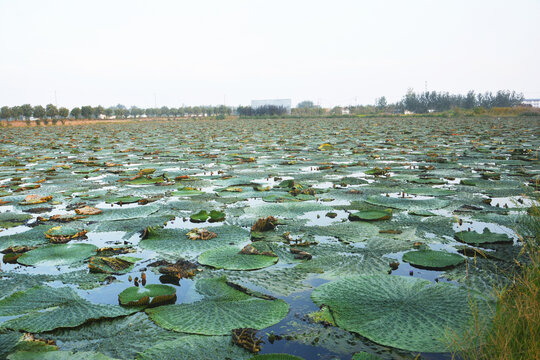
126,208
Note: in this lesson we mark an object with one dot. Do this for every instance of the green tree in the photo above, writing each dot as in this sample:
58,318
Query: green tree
108,112
306,104
87,111
27,110
16,112
75,112
39,112
99,110
51,111
381,103
5,112
63,112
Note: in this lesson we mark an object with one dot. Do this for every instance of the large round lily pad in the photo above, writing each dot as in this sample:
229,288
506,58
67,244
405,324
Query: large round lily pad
53,255
141,295
486,237
402,312
430,259
407,204
222,309
370,215
230,258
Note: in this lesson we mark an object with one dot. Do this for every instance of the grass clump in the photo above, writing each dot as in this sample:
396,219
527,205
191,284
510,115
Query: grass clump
515,330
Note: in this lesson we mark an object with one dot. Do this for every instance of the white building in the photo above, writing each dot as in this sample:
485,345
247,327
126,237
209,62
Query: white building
286,103
533,102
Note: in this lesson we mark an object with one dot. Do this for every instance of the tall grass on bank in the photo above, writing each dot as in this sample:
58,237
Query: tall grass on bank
515,331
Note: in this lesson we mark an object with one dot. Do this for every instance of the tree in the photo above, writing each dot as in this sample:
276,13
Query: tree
39,112
99,110
16,112
470,100
51,111
63,112
108,112
164,111
5,112
26,110
306,104
87,111
75,112
381,103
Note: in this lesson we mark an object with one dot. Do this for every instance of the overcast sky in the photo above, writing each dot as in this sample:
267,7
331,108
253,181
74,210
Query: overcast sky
211,52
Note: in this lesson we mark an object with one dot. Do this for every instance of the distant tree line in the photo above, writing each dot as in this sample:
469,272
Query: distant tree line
420,103
28,111
442,101
266,110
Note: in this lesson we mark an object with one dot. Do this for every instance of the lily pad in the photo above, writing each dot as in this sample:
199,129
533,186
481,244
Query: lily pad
195,347
9,219
230,258
53,255
111,265
58,355
407,204
486,237
222,309
433,260
200,217
276,356
370,215
402,312
141,295
428,191
64,309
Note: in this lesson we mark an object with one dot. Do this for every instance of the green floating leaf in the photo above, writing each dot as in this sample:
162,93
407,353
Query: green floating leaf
57,355
187,191
53,255
141,295
230,258
428,191
433,260
123,200
64,309
195,347
199,217
407,204
428,181
486,237
175,242
223,309
276,357
370,215
9,219
216,216
121,338
145,181
402,312
365,356
8,341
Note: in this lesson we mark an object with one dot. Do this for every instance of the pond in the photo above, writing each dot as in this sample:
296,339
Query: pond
364,240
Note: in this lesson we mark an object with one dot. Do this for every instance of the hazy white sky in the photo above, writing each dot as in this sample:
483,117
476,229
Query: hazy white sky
207,52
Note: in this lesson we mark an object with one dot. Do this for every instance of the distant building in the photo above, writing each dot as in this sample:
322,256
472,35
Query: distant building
532,102
286,103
